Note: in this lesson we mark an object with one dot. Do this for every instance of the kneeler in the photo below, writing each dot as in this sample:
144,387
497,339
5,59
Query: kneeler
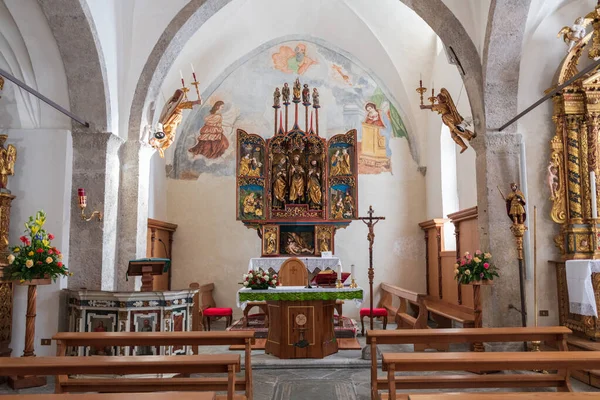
377,312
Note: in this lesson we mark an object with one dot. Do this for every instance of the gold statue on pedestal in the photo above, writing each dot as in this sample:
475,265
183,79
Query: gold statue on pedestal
170,118
8,156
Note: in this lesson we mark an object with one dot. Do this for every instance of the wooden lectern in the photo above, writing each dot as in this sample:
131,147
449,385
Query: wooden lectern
146,267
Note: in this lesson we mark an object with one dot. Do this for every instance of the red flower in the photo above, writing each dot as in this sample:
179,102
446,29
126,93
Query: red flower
50,252
59,264
39,263
50,236
39,251
486,265
24,239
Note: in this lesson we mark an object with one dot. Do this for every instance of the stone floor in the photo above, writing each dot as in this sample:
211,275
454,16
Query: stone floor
341,376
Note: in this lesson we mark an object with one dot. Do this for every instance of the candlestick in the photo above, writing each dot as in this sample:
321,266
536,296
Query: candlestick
593,193
338,283
352,272
182,82
83,205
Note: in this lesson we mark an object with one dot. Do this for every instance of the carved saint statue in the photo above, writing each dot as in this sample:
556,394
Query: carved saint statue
306,95
297,89
296,245
337,209
280,183
324,238
315,96
314,185
345,163
271,238
285,92
451,118
277,98
170,118
297,181
250,166
552,180
515,205
348,206
573,35
336,162
8,156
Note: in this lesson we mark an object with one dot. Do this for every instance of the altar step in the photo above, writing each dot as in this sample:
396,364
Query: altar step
589,377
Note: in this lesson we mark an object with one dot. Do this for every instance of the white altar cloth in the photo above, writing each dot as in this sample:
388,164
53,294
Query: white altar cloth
300,293
311,263
582,300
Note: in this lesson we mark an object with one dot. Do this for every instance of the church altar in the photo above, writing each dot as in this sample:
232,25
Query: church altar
582,299
312,263
300,319
101,311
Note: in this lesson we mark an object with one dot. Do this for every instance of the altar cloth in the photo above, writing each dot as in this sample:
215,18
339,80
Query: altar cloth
299,293
582,300
312,263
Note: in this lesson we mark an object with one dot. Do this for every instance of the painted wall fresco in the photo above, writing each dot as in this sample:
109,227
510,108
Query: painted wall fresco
350,99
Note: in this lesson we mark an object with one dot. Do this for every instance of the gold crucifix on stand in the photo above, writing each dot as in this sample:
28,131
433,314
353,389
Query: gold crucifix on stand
370,221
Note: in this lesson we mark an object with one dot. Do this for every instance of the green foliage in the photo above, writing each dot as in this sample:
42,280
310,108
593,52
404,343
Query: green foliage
475,268
36,258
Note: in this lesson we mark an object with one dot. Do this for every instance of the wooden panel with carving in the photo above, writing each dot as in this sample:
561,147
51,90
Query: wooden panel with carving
159,245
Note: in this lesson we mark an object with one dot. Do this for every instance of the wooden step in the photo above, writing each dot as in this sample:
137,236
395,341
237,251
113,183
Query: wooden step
589,377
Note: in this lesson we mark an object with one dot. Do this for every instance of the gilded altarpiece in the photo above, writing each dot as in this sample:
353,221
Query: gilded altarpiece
574,155
296,187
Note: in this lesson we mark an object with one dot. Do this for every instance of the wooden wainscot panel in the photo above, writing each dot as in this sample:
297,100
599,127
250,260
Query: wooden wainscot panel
449,286
434,245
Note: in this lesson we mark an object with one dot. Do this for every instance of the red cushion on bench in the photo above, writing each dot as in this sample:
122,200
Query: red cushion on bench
377,312
217,312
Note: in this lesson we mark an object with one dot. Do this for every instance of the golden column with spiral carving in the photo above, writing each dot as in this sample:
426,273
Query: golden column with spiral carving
573,170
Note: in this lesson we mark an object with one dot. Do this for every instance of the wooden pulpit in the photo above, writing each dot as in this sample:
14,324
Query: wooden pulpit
146,268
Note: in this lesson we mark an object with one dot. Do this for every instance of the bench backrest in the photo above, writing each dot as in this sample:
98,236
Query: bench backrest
470,335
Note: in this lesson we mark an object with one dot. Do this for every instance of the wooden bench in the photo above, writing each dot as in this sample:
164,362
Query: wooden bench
116,396
124,339
506,396
425,337
562,361
98,365
406,299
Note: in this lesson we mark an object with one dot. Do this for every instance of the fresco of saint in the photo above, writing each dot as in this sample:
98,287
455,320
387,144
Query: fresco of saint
373,116
212,142
292,61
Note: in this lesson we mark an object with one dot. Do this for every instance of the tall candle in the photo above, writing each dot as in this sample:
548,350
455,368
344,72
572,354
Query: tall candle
352,271
339,271
593,192
81,192
181,75
193,72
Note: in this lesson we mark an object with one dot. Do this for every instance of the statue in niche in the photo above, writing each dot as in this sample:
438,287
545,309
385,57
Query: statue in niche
271,239
451,118
280,178
297,180
337,208
315,96
314,185
306,95
515,205
297,89
296,245
277,98
335,164
324,238
345,163
552,180
285,92
573,35
252,205
8,157
250,166
348,206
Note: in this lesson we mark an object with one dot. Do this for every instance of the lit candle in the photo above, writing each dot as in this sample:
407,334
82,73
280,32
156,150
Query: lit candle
182,82
352,271
193,72
82,197
593,193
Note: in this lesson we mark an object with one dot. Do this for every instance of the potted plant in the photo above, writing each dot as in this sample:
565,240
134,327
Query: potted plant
260,280
35,258
475,269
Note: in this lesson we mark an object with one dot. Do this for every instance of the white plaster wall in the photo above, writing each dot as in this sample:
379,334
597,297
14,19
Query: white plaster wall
542,54
473,15
157,200
211,246
42,181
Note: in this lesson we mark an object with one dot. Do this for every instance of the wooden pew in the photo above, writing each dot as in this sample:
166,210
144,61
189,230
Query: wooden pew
507,396
124,339
116,396
400,313
425,337
562,361
195,364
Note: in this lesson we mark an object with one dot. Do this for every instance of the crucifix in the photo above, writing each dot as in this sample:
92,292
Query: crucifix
370,221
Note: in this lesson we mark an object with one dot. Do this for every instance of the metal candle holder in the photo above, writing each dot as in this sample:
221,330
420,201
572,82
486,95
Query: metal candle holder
83,205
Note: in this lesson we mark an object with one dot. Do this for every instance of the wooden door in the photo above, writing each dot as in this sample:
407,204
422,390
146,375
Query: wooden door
159,244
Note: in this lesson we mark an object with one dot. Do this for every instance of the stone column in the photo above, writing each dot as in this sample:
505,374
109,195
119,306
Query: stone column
93,244
498,156
133,208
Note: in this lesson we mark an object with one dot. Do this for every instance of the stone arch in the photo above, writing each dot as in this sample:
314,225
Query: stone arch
75,33
437,15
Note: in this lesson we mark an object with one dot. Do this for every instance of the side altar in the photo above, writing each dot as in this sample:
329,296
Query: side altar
296,188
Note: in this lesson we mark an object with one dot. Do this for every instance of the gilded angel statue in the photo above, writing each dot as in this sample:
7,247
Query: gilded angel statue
170,118
8,156
574,34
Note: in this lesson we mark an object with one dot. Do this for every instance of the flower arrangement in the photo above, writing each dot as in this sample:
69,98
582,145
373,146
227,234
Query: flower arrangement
35,258
474,268
260,280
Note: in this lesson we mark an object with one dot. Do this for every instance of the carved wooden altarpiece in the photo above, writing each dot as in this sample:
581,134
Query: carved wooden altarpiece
296,188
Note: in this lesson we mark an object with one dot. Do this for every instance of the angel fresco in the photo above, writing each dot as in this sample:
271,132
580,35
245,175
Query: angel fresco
292,61
212,141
